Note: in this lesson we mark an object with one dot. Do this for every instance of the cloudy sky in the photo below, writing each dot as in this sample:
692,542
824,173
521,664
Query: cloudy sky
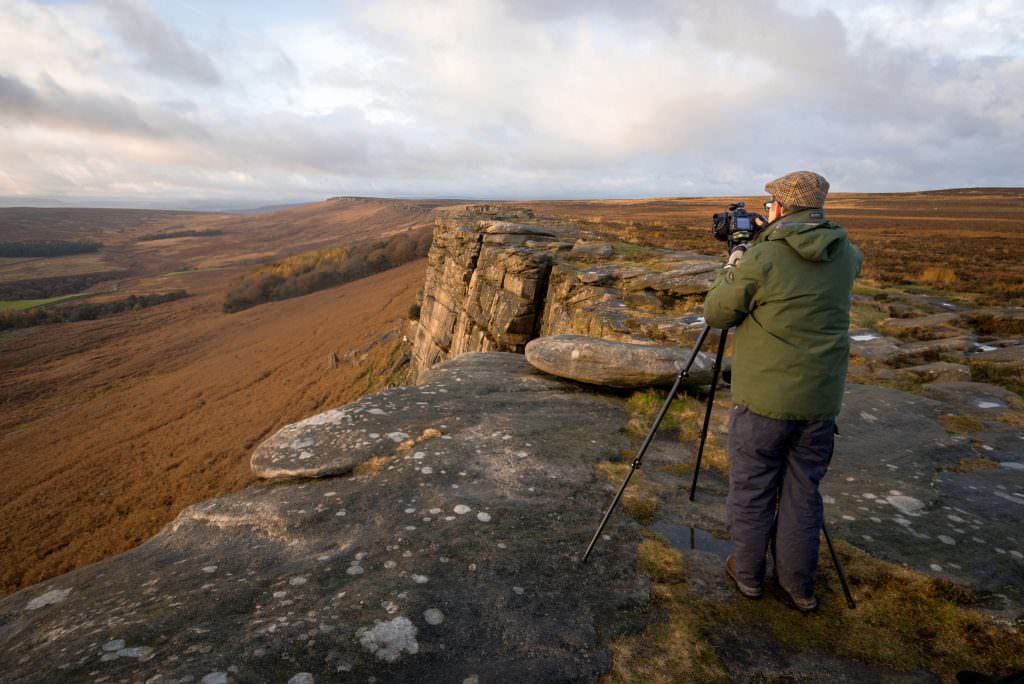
148,100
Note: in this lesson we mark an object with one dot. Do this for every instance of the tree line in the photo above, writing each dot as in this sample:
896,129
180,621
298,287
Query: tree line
47,248
89,311
166,235
306,273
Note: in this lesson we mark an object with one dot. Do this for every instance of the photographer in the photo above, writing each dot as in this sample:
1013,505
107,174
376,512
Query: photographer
788,292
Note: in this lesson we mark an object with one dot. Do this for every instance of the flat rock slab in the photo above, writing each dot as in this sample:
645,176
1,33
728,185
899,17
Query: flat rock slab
614,364
453,561
754,657
592,250
869,345
938,325
894,490
976,398
1009,356
677,282
915,353
938,371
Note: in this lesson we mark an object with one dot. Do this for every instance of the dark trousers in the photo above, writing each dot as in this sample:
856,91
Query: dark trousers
777,464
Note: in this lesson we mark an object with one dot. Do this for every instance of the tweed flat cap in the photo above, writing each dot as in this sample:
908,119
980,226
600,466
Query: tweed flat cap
799,190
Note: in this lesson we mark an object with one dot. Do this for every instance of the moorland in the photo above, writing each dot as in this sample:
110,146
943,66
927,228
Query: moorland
111,426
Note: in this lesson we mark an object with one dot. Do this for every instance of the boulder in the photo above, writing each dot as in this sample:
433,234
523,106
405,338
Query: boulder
614,364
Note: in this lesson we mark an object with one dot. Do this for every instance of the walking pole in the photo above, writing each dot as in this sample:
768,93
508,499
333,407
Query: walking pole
707,413
839,569
683,376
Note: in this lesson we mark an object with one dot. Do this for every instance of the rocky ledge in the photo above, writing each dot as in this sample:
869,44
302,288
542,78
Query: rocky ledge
441,546
433,534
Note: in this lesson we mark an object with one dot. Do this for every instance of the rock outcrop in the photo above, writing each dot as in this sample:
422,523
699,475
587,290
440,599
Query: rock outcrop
433,533
450,559
498,278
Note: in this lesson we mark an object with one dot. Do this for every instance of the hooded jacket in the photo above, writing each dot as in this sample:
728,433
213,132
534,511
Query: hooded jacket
790,299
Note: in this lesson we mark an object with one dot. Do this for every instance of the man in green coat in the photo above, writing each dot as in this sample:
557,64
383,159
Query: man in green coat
788,294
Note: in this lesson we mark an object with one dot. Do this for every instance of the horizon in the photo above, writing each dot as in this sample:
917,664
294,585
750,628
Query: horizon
142,102
195,205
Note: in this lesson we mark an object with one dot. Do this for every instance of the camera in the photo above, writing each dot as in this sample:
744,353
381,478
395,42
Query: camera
735,226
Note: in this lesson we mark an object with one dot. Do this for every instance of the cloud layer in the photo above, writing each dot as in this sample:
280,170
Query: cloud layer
516,98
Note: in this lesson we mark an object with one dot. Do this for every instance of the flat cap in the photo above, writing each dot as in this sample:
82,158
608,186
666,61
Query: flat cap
799,190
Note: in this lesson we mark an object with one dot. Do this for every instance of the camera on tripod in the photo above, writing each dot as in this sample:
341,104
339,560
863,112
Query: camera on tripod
735,226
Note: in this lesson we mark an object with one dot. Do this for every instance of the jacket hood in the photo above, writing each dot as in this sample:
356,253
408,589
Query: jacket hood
809,234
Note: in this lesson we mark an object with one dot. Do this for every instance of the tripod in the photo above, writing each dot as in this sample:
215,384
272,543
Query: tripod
681,379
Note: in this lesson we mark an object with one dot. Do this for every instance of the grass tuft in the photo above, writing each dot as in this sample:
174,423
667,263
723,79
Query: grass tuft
960,425
970,465
904,620
671,651
642,508
685,415
659,561
938,275
372,466
640,499
1009,376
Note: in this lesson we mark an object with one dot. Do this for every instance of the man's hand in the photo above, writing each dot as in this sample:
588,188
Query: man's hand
736,255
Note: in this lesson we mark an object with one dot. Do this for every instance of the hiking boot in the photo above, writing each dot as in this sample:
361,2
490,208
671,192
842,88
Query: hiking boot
804,605
748,591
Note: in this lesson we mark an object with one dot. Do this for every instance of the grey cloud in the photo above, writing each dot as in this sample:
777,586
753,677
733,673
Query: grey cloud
283,69
164,50
53,105
870,116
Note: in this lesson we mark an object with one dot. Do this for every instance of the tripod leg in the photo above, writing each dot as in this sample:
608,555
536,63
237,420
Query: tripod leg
839,569
707,414
608,513
680,379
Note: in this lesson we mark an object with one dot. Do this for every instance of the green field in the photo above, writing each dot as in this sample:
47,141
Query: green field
23,304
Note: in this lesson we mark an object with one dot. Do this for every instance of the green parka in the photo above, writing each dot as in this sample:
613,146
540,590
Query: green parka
790,299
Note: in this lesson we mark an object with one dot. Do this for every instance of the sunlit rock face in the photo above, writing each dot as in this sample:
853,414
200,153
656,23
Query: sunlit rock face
498,278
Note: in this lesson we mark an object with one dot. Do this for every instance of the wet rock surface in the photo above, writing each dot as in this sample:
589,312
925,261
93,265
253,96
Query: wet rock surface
615,364
453,559
896,489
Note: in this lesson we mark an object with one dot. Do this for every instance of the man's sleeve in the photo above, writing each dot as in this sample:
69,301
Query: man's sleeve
731,297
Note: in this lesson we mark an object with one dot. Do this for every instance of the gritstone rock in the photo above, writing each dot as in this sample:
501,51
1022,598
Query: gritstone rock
938,371
614,364
592,250
371,575
922,327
